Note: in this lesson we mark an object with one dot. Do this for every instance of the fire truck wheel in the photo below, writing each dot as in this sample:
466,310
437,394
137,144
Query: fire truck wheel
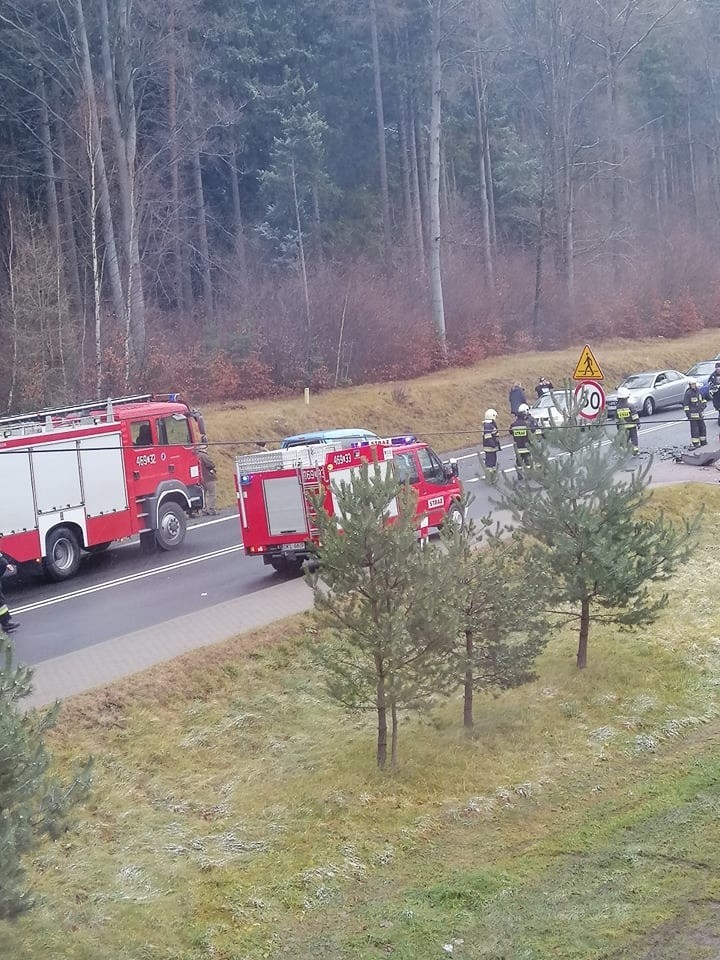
172,524
456,515
63,554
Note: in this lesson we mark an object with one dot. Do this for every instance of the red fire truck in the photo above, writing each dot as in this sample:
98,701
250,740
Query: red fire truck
275,489
77,478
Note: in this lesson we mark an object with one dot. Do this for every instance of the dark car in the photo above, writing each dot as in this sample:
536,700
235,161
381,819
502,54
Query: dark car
701,371
651,390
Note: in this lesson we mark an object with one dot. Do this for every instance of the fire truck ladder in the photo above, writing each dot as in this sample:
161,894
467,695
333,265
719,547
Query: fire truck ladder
49,413
310,489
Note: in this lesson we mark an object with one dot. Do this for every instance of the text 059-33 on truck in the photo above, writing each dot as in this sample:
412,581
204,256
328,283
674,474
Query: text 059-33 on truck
275,490
75,479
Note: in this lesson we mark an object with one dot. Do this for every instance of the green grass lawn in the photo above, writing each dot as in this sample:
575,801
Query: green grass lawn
237,815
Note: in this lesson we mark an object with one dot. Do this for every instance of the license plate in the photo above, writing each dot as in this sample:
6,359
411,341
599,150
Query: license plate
294,546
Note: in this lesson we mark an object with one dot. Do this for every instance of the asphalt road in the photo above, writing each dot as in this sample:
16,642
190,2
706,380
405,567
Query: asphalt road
123,590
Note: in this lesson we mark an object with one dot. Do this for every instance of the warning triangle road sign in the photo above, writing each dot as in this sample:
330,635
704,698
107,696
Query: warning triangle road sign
587,366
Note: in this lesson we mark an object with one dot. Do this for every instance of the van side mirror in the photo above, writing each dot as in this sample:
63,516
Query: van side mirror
451,469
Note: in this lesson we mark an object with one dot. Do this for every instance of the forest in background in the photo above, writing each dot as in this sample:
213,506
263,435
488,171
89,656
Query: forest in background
241,197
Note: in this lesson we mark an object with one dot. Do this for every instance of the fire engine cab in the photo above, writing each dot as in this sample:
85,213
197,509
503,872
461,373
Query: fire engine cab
275,490
77,478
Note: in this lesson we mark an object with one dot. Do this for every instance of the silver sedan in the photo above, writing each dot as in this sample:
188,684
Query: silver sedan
651,390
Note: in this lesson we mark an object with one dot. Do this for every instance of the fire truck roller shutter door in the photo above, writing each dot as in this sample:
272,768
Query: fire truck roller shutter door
17,506
103,474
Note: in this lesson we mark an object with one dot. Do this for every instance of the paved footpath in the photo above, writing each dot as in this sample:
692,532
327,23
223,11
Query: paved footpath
121,657
100,664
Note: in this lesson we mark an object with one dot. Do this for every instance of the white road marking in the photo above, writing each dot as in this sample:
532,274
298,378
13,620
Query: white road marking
131,578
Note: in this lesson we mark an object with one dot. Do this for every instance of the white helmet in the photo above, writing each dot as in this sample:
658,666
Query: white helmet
491,414
623,393
523,408
693,381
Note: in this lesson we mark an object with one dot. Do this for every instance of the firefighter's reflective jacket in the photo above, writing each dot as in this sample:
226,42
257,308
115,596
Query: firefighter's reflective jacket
522,429
490,436
625,415
693,404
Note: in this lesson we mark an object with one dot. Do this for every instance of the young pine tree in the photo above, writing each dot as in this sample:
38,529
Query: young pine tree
501,601
582,520
388,602
33,801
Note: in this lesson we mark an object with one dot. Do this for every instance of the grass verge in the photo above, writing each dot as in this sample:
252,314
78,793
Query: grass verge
238,814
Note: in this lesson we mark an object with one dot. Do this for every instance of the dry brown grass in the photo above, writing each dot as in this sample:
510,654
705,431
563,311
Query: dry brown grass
237,814
444,408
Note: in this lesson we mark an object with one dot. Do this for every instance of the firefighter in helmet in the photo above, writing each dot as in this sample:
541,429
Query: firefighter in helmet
694,407
627,419
522,430
490,444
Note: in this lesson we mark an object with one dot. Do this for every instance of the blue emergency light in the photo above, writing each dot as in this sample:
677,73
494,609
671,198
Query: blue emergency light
245,479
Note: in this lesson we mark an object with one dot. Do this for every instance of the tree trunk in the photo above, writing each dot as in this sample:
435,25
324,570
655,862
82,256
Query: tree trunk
438,306
584,633
317,235
663,174
569,230
691,162
240,251
203,244
468,721
111,255
183,289
394,736
10,267
539,259
405,177
303,274
67,225
490,186
381,705
612,108
96,267
484,202
446,217
655,181
423,175
382,151
51,197
118,81
418,209
714,163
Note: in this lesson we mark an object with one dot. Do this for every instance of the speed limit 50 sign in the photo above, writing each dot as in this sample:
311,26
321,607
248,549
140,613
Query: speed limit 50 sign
590,398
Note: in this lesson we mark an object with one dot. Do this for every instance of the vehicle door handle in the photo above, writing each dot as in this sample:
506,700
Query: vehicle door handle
171,468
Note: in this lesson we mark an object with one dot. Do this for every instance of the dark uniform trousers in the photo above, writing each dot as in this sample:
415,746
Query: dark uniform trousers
693,405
